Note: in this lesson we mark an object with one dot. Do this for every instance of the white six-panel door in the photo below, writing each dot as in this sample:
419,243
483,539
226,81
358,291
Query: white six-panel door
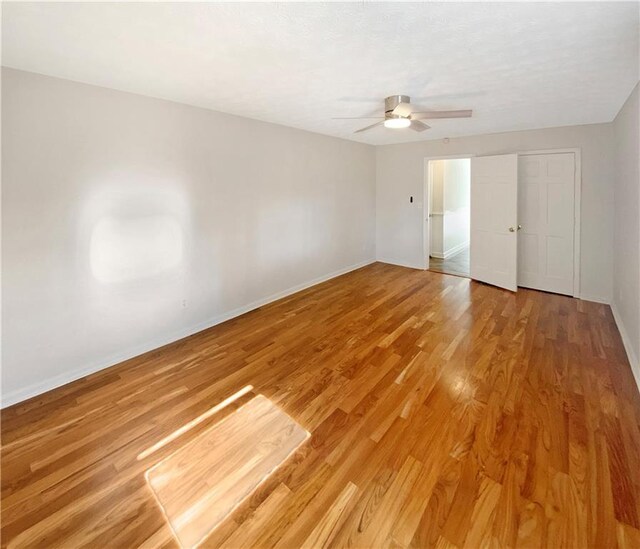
546,214
494,219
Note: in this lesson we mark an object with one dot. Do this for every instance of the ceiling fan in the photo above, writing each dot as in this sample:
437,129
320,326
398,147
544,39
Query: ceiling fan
400,113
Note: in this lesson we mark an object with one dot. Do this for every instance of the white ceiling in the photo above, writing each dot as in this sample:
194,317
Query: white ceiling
518,66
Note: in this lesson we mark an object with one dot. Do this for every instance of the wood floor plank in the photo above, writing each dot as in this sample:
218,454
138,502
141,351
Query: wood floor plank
325,531
441,412
480,533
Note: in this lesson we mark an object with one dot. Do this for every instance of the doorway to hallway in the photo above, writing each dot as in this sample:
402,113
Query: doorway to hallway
449,193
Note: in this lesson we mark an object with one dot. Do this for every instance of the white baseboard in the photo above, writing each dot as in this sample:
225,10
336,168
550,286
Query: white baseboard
451,251
455,250
631,355
399,263
595,299
48,384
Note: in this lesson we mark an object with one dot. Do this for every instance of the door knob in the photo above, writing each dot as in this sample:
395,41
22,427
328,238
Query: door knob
519,227
511,229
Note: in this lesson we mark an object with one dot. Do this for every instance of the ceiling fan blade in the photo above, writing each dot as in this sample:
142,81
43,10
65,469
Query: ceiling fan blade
403,109
357,117
418,126
426,115
370,127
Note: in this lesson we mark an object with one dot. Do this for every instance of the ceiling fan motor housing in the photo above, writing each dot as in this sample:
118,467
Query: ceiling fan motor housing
392,102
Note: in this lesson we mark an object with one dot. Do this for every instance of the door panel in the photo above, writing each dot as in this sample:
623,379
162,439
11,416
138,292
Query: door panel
546,213
528,194
494,209
527,252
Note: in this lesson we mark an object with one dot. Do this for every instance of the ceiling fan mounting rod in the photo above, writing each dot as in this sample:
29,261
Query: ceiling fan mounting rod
393,101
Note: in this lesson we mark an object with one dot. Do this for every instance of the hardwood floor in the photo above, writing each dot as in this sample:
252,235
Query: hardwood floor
458,264
199,485
442,413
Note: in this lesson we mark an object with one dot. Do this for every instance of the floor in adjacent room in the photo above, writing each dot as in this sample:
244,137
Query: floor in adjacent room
457,264
441,412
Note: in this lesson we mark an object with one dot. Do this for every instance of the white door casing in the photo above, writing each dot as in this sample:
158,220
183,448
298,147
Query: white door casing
428,176
494,220
546,213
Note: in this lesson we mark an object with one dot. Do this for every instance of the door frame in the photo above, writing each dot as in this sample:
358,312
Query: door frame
577,191
426,187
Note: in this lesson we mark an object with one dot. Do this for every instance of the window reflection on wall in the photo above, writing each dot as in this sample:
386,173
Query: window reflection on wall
126,248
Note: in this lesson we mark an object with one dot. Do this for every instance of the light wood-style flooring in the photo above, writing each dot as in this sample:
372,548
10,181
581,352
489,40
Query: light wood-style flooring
442,412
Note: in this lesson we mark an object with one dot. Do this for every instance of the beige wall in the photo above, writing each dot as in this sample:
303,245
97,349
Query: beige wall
400,174
626,277
449,207
129,222
436,209
457,197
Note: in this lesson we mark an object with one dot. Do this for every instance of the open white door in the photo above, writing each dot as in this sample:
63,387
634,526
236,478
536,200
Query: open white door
494,220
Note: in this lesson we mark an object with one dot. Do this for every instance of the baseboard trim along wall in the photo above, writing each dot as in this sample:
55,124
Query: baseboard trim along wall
399,263
52,383
631,355
451,252
595,299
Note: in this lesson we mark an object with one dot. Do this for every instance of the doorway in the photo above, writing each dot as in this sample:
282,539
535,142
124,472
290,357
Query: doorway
449,199
523,219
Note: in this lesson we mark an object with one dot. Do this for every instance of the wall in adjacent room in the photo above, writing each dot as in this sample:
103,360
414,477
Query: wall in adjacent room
400,174
449,207
436,209
626,233
129,222
457,197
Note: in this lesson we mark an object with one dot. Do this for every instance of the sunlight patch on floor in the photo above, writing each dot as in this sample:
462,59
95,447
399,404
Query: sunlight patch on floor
200,484
190,425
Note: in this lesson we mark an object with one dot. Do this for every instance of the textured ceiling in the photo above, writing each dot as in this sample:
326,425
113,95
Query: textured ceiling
518,66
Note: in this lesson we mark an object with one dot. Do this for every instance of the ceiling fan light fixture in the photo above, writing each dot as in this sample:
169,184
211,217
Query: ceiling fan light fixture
397,123
399,113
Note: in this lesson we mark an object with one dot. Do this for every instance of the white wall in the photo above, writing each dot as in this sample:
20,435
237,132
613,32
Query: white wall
129,222
449,206
457,197
436,209
626,250
400,174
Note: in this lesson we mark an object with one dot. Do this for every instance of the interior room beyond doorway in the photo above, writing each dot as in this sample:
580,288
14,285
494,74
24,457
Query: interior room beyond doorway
449,215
